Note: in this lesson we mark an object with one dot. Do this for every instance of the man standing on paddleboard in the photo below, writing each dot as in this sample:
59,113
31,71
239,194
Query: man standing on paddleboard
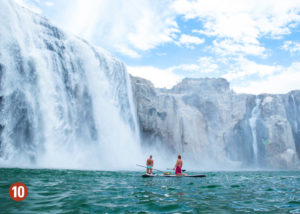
149,164
178,166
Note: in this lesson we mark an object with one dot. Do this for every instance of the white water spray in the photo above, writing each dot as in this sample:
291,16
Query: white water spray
295,111
252,121
64,103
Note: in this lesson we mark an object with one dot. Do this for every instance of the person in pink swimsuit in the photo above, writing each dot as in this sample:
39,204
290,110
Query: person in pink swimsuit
178,166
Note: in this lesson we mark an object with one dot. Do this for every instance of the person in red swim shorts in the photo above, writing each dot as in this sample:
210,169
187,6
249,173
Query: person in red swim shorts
178,166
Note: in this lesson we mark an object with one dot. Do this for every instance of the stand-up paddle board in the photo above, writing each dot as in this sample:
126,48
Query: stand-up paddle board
148,176
193,176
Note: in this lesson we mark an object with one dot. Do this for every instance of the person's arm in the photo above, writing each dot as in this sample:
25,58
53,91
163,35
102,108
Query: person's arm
152,163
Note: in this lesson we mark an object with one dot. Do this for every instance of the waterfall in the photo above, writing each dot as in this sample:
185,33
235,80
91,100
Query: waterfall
63,102
294,111
252,121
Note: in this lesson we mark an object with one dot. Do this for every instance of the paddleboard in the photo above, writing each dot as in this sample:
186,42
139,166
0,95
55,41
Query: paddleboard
148,176
193,176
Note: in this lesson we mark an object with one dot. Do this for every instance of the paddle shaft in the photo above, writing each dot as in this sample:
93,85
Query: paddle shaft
146,168
173,169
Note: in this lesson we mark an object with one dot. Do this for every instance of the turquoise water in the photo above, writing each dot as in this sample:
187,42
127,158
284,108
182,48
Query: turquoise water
75,191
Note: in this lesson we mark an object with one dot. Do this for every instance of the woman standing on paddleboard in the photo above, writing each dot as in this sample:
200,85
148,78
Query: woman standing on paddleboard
178,166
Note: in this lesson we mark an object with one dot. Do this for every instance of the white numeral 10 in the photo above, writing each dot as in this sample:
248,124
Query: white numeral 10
19,191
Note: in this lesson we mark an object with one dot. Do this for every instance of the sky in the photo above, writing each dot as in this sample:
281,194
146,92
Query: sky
255,44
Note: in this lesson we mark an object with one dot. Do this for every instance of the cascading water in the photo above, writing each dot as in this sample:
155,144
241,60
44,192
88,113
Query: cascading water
63,102
295,111
252,121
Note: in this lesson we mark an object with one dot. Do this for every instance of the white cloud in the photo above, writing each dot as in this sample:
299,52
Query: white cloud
168,77
283,82
128,52
270,79
161,54
161,78
230,47
235,28
129,27
204,65
49,3
135,26
291,46
208,65
241,68
186,67
189,41
241,22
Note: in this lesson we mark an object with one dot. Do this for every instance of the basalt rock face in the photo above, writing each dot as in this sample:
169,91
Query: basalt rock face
205,120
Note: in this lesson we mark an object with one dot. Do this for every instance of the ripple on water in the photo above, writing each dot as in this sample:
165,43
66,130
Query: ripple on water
296,203
71,191
211,186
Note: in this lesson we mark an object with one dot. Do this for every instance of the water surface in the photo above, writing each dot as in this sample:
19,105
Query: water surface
75,191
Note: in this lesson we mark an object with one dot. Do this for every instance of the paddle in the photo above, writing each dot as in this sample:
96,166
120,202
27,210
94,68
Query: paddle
152,168
173,169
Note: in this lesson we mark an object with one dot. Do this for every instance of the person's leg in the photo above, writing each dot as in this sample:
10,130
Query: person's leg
147,170
151,171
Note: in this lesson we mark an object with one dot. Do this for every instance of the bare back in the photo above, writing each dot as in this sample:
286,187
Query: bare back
179,163
149,162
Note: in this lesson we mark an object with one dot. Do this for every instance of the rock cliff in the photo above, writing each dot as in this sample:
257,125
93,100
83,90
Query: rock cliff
206,120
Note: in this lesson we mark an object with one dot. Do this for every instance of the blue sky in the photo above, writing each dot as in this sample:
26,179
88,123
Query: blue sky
253,44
